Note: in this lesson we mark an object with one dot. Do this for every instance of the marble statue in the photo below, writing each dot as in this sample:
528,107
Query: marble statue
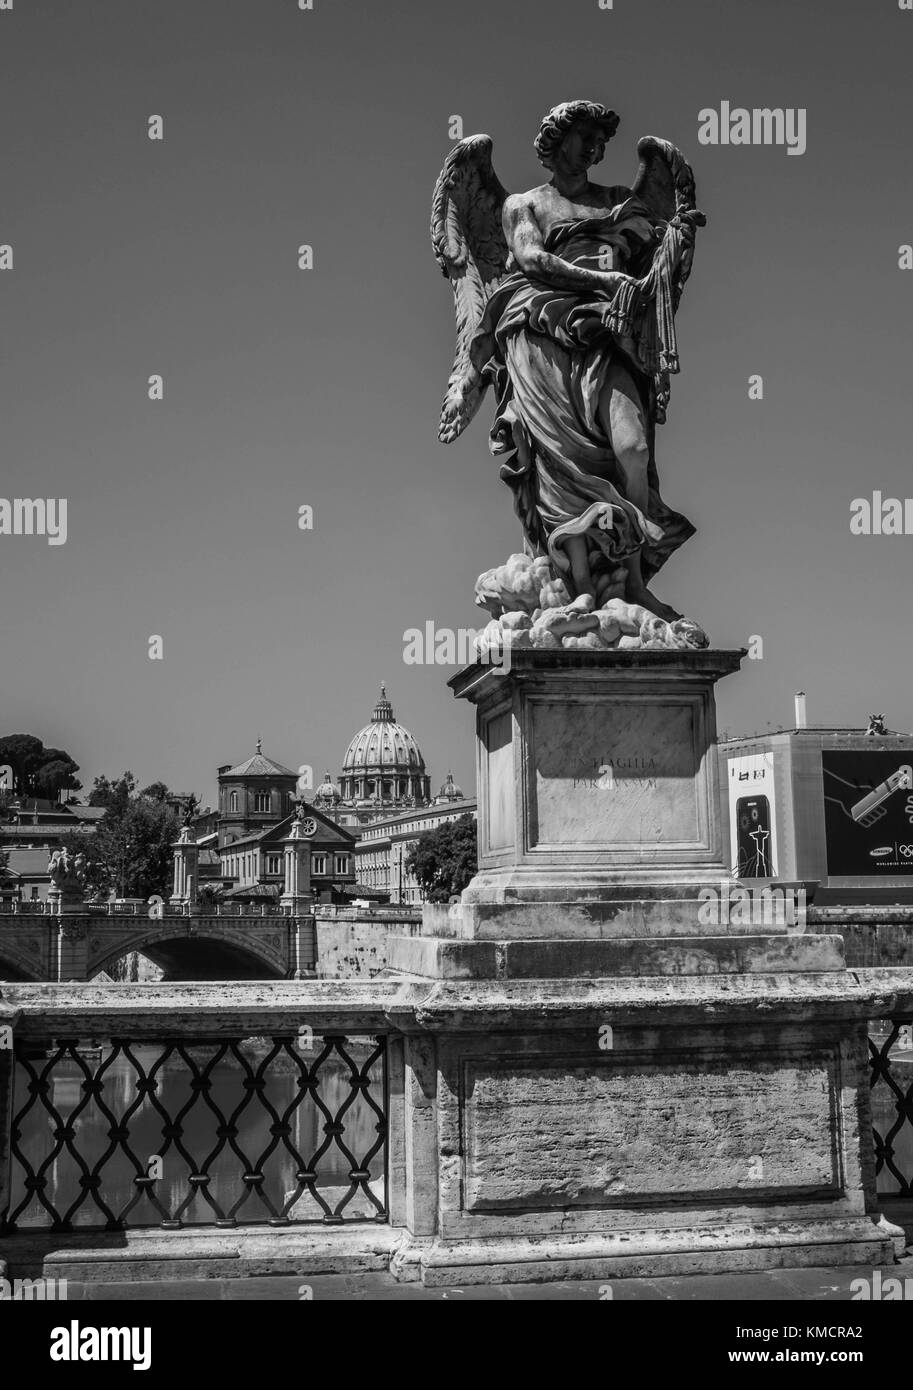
67,872
565,300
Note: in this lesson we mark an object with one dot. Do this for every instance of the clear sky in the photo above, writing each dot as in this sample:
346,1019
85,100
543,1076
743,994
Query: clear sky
285,388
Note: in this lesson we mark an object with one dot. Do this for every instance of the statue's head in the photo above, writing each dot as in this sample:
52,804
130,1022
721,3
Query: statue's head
576,130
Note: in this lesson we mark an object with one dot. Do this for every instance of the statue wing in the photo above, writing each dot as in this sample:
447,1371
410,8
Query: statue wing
665,183
469,245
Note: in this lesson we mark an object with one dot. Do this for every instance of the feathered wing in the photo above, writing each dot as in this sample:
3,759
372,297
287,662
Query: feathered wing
665,183
469,245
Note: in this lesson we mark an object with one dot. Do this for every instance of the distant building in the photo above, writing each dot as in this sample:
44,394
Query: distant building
383,771
382,850
30,830
254,864
384,792
827,805
253,796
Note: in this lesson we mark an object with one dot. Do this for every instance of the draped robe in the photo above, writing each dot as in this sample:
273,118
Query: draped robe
549,353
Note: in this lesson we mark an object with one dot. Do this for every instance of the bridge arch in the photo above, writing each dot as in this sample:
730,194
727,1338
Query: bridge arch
18,964
188,951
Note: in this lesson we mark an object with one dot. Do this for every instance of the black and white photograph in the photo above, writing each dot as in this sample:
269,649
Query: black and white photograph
456,715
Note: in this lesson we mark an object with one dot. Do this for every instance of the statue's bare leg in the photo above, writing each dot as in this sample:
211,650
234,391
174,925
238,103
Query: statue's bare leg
581,574
621,414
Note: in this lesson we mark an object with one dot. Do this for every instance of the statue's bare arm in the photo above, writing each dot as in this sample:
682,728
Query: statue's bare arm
524,237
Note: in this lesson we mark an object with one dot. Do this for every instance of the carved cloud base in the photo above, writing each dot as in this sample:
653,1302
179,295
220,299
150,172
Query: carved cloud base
531,608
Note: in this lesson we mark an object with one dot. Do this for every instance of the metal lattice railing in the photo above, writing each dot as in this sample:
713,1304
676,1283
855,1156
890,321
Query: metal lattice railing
891,1056
270,1129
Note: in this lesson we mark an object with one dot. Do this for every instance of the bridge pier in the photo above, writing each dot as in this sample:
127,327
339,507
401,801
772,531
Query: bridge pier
302,948
72,948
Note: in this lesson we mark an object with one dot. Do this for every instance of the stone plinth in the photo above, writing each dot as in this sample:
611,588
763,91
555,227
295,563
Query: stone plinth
632,1127
296,893
598,792
185,887
622,1084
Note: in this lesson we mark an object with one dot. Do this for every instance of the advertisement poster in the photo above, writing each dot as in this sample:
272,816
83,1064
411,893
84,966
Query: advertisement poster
868,812
752,816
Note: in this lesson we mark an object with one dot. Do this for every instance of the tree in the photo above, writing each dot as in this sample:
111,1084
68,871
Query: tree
156,791
135,844
131,850
443,860
56,776
107,793
38,771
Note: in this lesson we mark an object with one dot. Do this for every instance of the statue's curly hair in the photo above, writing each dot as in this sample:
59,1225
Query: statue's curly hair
561,118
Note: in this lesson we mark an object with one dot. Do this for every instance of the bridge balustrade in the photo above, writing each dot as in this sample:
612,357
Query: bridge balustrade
285,1104
184,1114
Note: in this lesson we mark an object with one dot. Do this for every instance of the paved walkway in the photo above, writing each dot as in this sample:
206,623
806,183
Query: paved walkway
814,1285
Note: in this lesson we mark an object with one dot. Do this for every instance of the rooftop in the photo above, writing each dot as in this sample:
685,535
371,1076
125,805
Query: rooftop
840,730
258,765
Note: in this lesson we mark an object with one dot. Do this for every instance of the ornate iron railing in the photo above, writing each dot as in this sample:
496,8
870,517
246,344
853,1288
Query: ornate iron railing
891,1056
271,1129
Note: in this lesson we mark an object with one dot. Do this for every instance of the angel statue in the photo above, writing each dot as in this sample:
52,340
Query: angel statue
565,302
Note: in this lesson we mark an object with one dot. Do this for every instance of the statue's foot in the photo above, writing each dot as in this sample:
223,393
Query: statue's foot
460,404
643,596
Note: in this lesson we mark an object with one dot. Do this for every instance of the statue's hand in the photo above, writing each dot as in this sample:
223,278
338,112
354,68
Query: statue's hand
611,280
688,222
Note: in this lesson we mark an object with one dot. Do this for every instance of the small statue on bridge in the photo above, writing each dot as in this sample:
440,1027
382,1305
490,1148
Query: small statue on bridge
877,726
67,872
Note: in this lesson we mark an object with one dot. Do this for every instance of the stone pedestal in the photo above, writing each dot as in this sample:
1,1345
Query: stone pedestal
297,898
185,890
296,892
611,1084
611,1129
599,808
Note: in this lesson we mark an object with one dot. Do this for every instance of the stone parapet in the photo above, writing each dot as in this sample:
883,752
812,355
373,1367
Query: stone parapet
553,1128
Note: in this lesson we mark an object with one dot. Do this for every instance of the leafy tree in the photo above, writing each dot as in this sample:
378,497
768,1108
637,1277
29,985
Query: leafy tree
131,850
56,776
38,771
134,842
118,793
4,861
156,791
443,860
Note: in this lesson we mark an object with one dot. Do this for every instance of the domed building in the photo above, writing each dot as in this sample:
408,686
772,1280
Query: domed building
449,792
327,796
383,771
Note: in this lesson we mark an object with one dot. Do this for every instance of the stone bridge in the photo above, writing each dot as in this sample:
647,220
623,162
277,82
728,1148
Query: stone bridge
44,946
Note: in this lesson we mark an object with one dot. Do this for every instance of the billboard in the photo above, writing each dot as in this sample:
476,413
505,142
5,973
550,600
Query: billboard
752,816
868,812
